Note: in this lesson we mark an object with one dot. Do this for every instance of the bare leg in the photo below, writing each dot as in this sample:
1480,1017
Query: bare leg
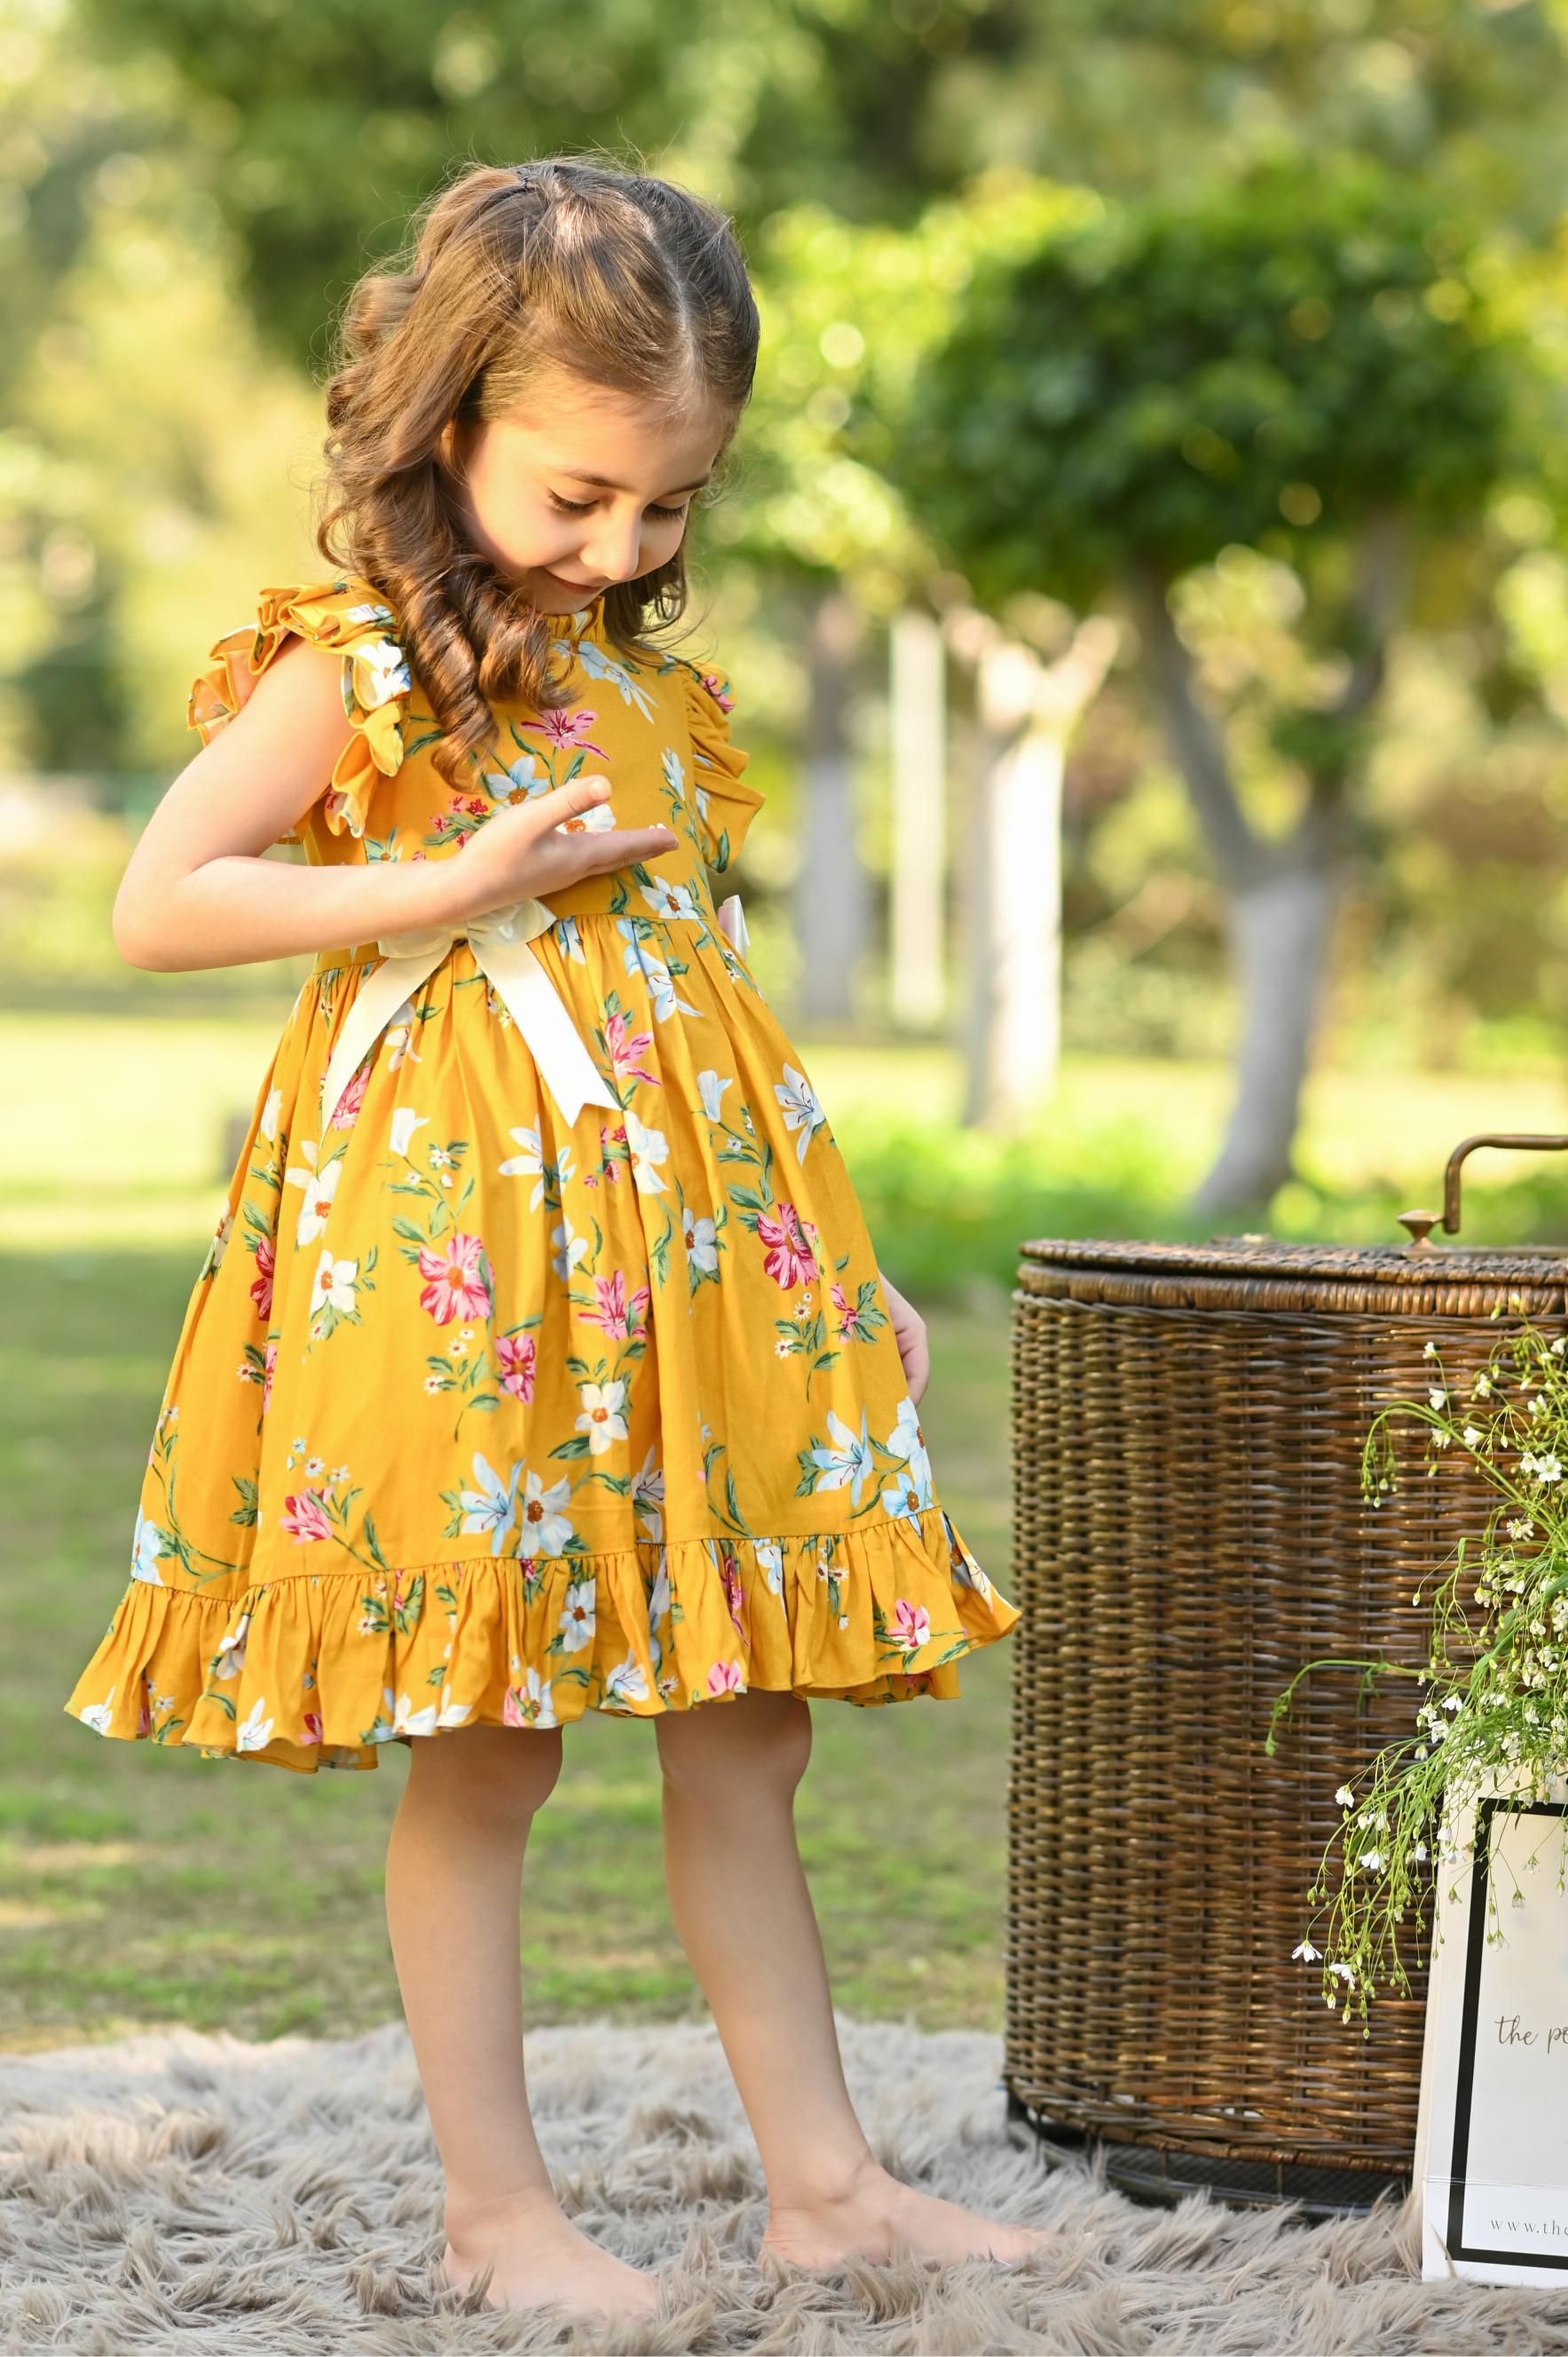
454,1876
744,1915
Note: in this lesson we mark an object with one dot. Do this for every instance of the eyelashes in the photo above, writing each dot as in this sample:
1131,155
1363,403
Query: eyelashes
570,507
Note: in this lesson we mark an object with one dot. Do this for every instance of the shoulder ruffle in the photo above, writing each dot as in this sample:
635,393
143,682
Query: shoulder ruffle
725,806
345,614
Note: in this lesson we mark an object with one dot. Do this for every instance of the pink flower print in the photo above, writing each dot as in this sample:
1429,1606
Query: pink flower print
312,1733
911,1626
261,1283
269,1361
475,804
347,1110
618,1316
625,1047
786,1259
718,687
726,1677
569,730
455,1288
734,1594
304,1516
516,1355
144,1722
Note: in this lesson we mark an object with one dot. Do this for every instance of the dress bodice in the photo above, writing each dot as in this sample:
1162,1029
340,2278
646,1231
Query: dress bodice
657,728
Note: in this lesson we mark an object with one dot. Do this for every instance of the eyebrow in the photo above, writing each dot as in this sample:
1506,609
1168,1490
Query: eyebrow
603,483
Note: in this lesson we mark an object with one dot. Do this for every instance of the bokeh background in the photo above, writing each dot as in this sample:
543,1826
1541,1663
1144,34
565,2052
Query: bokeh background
1143,576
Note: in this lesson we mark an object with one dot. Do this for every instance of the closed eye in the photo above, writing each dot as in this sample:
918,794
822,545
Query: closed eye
583,507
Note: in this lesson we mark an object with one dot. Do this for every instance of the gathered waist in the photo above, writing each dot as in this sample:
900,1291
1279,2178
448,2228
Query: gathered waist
367,953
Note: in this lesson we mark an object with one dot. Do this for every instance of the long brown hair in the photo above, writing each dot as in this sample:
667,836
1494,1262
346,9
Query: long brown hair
509,272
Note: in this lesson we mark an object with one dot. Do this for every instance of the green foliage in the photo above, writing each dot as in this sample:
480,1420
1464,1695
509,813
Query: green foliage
1264,363
1496,1718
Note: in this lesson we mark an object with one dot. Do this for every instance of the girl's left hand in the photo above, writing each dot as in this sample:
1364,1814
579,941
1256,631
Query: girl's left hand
909,1331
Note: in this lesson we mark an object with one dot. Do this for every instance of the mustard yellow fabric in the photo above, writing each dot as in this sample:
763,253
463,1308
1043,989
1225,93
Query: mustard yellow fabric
477,1416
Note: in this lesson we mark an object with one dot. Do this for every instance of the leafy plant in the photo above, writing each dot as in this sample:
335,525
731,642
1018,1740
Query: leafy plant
1495,1715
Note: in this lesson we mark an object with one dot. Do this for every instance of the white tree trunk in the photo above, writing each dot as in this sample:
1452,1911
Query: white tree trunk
830,898
918,738
1028,709
1015,998
1280,929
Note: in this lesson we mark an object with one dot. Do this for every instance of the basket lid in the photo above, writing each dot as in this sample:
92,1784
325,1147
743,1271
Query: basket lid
1260,1272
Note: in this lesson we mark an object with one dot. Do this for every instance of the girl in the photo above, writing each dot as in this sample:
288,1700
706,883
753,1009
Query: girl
541,1362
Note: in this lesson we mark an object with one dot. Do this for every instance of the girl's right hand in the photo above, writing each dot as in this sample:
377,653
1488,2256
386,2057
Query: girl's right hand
542,844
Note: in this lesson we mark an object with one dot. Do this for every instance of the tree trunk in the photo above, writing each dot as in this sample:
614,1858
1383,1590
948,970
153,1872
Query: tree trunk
916,743
832,903
1283,896
1027,709
1280,928
1014,1011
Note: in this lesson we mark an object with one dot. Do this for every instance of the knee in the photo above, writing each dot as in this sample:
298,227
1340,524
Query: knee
731,1748
498,1776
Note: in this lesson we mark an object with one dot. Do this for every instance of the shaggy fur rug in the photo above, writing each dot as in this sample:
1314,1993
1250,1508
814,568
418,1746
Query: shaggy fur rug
180,2192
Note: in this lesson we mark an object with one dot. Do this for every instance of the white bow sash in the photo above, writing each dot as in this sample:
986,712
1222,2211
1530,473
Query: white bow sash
499,940
736,926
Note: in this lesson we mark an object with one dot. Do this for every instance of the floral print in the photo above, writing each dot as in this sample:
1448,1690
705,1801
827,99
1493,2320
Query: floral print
480,1415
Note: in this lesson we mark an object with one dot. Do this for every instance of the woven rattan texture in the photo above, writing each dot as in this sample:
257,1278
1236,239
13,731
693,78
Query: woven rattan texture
1189,1530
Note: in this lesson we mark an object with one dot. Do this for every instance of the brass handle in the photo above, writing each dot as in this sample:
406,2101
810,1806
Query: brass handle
1419,1225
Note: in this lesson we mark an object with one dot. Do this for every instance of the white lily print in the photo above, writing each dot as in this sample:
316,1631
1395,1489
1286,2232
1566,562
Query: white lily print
849,1462
710,1089
603,1417
569,934
318,1187
770,1559
798,1101
531,1164
648,1147
254,1732
578,1616
701,1238
384,672
268,1124
492,1502
145,1548
524,772
98,1716
404,1121
912,1490
639,959
543,1528
628,1681
567,1246
672,902
333,1284
600,665
647,1497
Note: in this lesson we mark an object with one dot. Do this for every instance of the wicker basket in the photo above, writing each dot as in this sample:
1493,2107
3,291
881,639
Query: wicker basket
1189,1530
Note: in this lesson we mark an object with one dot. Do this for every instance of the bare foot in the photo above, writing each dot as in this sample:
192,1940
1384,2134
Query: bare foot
863,2222
540,2256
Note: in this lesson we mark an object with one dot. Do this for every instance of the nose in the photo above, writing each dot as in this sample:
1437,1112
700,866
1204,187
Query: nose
614,551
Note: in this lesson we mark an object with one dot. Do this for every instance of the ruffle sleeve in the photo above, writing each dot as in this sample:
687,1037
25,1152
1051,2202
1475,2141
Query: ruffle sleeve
726,805
346,615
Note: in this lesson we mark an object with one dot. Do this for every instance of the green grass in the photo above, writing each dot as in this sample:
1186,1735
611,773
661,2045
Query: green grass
142,1886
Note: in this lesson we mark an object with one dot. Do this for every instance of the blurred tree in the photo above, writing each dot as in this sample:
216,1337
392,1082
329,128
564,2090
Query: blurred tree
1300,363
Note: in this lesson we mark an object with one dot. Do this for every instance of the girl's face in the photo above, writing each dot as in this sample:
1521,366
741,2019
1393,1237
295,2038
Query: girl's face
588,490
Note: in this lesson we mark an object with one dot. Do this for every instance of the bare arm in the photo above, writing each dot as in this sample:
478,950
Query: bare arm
197,891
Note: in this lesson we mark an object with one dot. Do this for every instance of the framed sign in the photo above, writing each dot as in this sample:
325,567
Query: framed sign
1491,2152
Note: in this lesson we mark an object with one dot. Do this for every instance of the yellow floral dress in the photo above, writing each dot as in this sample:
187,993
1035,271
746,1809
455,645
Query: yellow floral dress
492,1406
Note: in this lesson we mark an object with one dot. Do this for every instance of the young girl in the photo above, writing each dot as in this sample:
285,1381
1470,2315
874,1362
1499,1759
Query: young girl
541,1362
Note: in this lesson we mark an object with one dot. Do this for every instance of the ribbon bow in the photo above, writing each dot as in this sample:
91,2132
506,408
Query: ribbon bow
499,941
